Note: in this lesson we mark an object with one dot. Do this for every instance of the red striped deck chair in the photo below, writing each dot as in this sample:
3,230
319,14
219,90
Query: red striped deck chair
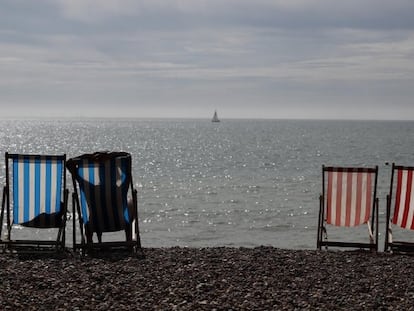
35,196
105,200
400,210
348,199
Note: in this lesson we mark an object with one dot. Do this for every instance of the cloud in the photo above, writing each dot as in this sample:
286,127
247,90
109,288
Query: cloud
190,53
280,13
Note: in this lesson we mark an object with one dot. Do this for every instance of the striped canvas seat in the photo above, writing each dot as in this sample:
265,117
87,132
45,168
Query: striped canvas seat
401,198
102,183
35,194
348,199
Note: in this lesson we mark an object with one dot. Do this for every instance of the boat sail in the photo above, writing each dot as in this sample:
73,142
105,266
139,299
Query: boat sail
215,117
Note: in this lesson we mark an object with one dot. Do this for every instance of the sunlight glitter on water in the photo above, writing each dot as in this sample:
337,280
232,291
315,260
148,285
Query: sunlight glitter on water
241,183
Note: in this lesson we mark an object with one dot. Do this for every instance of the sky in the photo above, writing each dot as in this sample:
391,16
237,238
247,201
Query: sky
317,59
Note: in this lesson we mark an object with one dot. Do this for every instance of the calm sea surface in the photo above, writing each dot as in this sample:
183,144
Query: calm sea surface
234,183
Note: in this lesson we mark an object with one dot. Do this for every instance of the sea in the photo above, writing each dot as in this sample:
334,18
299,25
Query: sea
237,183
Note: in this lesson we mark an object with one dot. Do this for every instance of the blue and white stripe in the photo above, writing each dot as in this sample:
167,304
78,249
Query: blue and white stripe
103,192
37,186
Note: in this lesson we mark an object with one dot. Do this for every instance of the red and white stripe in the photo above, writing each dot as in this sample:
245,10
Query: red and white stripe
404,200
349,197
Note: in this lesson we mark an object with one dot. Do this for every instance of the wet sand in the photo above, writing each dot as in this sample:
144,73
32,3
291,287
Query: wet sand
262,278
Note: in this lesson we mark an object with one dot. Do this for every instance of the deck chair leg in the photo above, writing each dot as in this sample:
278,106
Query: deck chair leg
80,221
389,239
370,234
376,224
9,225
73,222
325,236
3,202
9,232
136,223
65,217
388,232
320,222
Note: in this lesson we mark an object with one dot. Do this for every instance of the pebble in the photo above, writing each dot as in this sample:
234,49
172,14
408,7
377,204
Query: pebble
222,278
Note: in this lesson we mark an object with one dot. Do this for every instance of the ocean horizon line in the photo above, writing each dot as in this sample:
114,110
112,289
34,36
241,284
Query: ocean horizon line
71,118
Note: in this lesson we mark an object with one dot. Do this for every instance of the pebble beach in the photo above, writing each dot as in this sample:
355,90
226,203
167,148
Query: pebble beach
261,278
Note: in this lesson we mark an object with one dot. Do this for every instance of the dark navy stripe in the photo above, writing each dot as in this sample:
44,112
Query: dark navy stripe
104,212
92,208
37,186
102,192
125,190
84,204
114,197
48,188
15,191
59,173
26,187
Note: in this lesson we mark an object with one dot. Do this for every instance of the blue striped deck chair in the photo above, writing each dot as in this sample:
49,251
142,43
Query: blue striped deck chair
105,200
35,196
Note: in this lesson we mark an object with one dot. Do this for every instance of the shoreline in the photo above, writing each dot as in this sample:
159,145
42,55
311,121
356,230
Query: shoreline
219,278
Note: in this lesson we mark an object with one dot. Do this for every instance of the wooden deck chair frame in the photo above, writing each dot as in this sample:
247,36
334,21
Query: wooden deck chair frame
403,212
353,177
36,190
83,205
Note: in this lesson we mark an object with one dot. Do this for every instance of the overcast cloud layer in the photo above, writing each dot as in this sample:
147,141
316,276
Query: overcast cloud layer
185,58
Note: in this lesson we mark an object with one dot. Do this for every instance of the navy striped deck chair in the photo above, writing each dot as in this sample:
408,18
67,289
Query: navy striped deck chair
105,200
348,200
35,196
400,210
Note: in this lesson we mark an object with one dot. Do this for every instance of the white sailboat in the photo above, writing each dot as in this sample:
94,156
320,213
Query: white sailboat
215,117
